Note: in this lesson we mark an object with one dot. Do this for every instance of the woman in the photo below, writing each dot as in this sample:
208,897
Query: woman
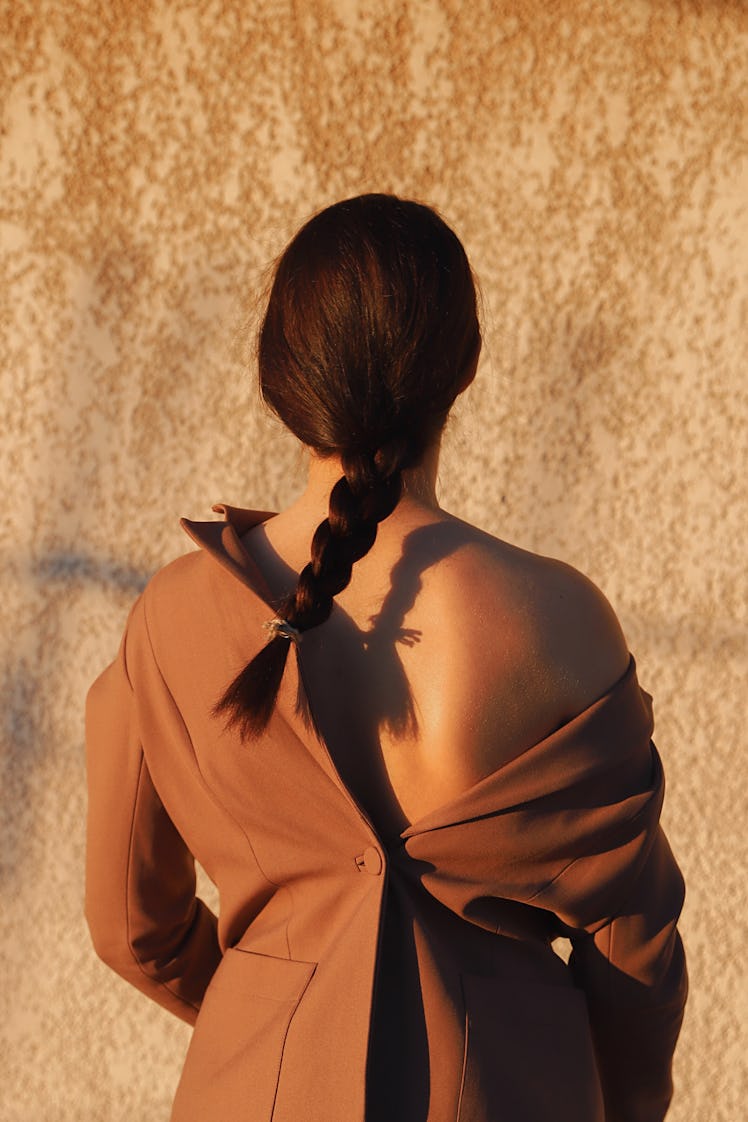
453,770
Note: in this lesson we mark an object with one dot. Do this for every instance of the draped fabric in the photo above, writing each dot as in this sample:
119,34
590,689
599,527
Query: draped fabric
352,976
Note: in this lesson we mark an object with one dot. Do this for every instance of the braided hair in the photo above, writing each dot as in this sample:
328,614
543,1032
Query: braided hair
370,333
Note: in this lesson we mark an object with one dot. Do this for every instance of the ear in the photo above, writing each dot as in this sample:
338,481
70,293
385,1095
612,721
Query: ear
470,373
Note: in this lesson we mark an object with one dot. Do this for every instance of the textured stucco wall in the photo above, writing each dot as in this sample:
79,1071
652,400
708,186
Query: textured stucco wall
154,157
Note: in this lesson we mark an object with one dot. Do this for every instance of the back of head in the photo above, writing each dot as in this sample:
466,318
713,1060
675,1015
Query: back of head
370,333
370,326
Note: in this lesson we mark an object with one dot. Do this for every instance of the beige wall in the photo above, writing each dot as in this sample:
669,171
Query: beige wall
154,157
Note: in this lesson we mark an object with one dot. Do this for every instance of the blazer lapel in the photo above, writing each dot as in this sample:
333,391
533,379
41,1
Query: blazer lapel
222,541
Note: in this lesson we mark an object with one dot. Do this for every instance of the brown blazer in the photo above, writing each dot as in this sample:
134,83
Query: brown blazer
351,976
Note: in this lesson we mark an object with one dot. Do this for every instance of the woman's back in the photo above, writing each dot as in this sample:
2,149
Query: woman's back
369,968
449,653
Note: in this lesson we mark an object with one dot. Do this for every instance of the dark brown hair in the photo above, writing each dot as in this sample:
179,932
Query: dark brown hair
370,333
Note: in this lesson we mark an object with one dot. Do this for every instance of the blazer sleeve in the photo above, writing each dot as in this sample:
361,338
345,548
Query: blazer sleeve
145,920
633,971
620,899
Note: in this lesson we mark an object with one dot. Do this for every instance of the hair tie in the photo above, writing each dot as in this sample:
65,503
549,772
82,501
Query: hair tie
284,628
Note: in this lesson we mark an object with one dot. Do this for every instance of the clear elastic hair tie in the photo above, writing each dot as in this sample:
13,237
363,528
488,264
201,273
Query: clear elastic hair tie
284,628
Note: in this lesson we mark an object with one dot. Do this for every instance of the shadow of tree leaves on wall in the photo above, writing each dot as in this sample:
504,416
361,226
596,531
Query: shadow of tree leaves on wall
33,672
78,568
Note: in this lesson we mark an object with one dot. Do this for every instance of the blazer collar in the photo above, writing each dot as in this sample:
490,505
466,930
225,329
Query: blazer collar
222,540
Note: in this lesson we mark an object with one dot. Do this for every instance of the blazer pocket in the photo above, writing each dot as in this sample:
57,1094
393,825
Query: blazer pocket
528,1054
234,1059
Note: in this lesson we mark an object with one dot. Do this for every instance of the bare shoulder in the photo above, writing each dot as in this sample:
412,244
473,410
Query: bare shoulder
549,629
579,634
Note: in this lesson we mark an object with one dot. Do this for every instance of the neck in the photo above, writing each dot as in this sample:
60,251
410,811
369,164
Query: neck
419,482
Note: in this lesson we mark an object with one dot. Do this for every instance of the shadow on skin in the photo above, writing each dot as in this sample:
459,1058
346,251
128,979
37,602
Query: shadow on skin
374,694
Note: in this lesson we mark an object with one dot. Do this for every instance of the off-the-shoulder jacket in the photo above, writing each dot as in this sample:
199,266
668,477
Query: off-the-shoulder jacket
352,976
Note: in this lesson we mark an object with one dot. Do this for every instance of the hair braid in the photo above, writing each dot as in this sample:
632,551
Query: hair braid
359,501
357,506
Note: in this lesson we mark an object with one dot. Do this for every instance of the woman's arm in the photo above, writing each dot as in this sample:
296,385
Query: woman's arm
619,894
145,921
633,972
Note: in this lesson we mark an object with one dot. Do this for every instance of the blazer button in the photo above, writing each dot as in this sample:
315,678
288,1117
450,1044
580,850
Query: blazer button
370,861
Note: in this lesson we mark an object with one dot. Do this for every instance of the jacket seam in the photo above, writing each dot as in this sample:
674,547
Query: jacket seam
285,1040
465,1046
136,959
